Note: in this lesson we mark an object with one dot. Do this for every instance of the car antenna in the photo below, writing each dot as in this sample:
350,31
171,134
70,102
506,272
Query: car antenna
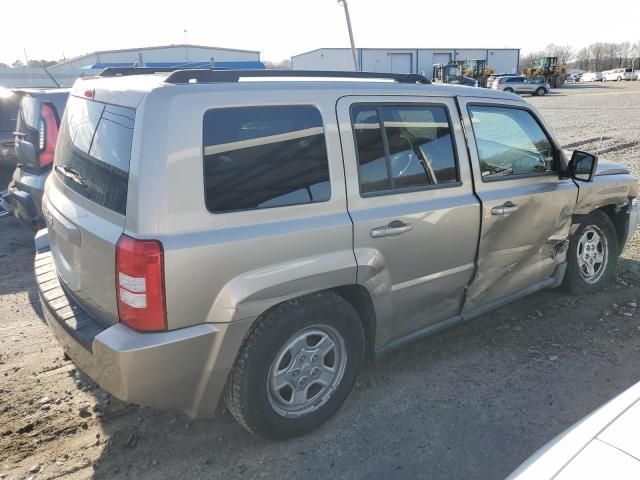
51,77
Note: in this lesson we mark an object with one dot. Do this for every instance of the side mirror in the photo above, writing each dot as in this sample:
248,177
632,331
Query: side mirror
582,166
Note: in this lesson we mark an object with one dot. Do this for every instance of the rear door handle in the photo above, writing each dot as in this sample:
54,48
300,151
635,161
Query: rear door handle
505,209
393,229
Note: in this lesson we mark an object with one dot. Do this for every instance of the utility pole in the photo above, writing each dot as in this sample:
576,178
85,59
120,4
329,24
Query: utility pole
353,45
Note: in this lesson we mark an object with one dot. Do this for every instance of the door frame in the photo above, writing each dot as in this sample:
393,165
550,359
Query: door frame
381,285
488,185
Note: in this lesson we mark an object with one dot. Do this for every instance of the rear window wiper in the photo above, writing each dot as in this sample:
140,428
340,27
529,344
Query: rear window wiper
72,174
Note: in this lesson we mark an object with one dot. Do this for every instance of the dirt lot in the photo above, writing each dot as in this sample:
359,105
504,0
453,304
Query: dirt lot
472,402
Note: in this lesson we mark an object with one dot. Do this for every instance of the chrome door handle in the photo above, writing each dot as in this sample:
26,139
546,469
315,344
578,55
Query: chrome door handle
505,209
393,229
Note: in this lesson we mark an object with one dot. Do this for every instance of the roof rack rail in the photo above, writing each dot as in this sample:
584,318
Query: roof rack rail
126,71
230,76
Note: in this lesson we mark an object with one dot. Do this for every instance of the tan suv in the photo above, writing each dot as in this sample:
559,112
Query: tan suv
239,233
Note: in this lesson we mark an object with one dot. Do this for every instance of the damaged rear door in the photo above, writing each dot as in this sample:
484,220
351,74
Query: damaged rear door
526,206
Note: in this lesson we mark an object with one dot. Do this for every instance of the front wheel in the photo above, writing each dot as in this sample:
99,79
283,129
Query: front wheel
296,367
592,255
509,90
541,91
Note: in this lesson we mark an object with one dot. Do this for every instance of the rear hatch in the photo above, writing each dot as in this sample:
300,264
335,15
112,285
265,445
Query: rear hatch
86,198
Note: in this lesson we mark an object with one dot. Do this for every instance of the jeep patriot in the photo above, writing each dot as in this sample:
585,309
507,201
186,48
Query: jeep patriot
255,236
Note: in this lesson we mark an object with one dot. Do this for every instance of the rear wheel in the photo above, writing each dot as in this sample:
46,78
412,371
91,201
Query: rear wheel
592,256
296,367
541,91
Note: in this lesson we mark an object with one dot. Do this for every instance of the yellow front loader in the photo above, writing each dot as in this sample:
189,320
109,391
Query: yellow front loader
548,68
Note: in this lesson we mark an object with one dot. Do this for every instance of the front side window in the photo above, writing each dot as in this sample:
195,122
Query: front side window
510,142
402,147
261,157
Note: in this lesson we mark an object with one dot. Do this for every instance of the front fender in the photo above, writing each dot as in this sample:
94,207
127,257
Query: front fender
605,190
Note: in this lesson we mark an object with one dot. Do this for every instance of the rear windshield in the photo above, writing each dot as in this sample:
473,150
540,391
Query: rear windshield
29,114
94,151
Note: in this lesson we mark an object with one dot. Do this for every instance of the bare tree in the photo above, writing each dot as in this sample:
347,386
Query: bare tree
528,60
597,53
635,56
582,59
623,54
564,53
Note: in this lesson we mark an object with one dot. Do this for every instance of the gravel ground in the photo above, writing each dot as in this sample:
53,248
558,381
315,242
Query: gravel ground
472,402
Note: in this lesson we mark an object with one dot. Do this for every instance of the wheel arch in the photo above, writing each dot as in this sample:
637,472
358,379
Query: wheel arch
618,216
355,295
360,299
620,219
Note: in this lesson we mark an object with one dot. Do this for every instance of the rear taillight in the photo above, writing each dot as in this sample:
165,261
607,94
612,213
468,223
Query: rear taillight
140,283
48,135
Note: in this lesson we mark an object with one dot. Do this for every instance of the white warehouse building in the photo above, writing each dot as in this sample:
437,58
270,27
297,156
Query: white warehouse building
184,55
405,60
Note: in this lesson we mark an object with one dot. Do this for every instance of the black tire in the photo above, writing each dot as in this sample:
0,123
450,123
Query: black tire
541,91
508,89
574,280
247,394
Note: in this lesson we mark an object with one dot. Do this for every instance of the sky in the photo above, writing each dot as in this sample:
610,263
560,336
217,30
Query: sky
282,28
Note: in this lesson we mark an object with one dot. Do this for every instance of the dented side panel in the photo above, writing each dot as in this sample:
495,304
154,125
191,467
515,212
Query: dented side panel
524,246
606,190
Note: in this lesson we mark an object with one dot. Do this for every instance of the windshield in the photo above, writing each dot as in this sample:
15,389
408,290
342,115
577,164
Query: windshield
94,151
453,70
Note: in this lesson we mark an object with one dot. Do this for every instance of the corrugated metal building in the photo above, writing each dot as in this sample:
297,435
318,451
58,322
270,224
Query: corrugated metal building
190,56
405,60
161,54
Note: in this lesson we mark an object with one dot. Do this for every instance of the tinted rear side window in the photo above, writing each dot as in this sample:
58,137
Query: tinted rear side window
403,147
261,157
94,151
8,112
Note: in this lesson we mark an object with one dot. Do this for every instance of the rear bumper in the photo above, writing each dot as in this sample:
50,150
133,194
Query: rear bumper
24,196
185,369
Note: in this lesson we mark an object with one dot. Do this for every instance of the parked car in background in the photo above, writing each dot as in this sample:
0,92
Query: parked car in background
36,134
604,445
9,104
494,78
469,82
617,74
591,77
213,234
521,84
574,77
